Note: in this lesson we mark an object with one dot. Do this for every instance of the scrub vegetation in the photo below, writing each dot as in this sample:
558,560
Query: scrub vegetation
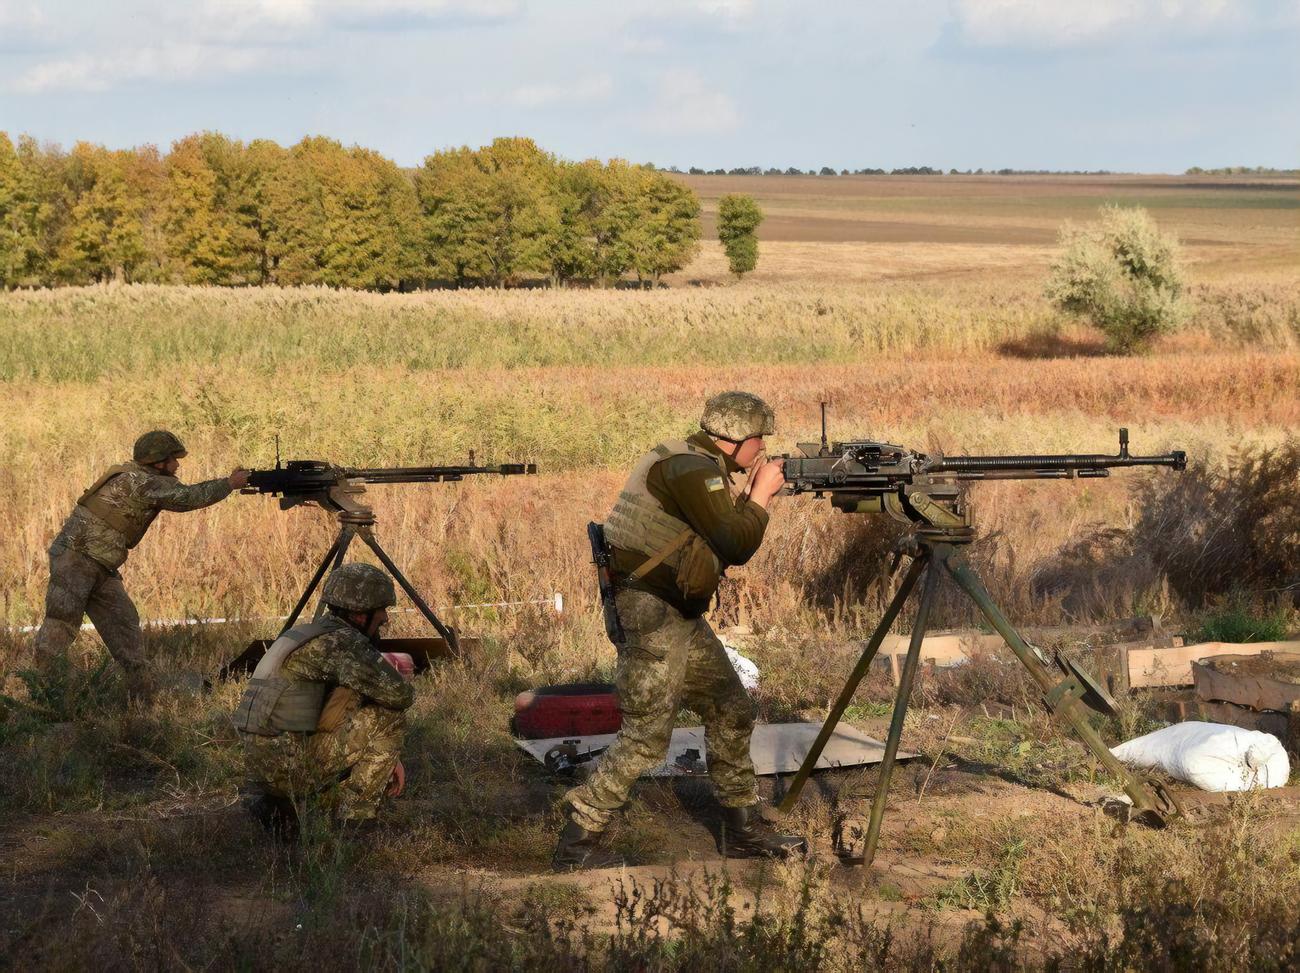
124,841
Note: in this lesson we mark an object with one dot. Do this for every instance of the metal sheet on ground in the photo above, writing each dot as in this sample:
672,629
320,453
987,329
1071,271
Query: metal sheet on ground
776,748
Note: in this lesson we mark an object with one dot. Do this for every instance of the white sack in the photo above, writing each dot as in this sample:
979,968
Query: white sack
745,668
1211,756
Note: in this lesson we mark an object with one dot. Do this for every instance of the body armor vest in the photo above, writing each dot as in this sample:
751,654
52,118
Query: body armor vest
132,530
639,523
274,704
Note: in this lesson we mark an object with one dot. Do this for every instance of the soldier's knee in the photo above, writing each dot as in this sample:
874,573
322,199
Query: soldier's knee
64,605
380,723
739,711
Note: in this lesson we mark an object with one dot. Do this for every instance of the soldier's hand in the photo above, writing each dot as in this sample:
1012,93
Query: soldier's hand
239,478
397,783
768,480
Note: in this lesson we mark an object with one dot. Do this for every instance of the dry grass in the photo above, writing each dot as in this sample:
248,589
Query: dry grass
944,347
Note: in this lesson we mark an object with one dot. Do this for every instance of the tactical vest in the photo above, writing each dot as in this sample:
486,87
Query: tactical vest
92,500
639,523
273,704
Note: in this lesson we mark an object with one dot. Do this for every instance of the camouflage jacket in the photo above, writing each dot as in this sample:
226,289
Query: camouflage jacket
136,496
690,488
344,656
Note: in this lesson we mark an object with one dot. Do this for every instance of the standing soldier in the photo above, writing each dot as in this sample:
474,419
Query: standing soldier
677,525
109,520
324,708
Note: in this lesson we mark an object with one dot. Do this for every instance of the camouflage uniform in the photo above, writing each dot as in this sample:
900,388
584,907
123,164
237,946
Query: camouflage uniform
360,753
668,661
87,552
670,656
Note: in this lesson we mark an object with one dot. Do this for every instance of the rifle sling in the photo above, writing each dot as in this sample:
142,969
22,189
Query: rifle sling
661,555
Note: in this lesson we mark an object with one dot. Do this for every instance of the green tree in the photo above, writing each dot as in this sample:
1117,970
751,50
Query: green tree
665,226
212,211
490,214
739,217
455,226
114,201
575,197
18,241
1123,275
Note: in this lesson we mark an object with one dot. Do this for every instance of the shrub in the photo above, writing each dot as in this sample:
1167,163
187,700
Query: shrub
1214,533
1123,275
1239,621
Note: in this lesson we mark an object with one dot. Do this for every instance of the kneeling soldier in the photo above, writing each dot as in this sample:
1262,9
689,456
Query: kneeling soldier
109,519
324,708
677,525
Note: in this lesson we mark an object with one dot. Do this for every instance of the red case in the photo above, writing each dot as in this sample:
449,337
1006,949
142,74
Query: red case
578,709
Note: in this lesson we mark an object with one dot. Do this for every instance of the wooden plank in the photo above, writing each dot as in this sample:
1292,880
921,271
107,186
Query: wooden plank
1258,691
1149,667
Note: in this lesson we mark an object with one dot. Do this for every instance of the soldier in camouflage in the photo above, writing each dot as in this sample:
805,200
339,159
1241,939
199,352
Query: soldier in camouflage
324,714
109,520
679,522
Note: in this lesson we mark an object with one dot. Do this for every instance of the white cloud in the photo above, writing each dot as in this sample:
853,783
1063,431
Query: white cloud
287,21
596,89
171,63
686,104
1068,23
22,23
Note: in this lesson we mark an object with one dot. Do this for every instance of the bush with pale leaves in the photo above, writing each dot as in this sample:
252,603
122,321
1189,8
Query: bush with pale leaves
1123,275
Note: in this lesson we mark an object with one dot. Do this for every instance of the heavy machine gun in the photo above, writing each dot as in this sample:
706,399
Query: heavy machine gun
314,481
340,490
925,493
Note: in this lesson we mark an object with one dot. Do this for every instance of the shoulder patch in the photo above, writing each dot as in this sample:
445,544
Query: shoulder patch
714,483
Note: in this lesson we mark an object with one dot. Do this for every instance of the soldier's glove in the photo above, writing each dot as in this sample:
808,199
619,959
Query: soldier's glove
339,705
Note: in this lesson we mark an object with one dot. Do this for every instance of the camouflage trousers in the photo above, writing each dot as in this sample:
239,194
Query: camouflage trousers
665,662
81,586
358,756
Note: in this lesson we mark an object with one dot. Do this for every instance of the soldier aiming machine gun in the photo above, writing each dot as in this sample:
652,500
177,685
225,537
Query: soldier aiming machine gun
340,490
924,492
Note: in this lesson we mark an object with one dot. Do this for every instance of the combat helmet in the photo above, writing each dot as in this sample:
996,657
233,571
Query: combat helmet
157,447
737,416
359,587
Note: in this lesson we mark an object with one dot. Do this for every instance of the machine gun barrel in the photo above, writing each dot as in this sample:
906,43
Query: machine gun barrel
436,474
1049,464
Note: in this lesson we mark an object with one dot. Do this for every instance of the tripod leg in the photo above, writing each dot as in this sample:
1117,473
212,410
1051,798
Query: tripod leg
900,708
851,686
344,542
1061,692
414,595
311,585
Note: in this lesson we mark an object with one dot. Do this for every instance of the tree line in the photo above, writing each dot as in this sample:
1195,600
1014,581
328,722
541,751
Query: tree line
215,210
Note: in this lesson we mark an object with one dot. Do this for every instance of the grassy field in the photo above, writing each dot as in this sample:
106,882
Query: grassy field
915,308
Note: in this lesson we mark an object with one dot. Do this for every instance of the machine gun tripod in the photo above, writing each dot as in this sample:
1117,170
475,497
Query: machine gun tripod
872,477
339,490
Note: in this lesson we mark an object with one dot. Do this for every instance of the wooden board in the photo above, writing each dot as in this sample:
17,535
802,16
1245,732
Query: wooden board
1256,690
1149,667
940,651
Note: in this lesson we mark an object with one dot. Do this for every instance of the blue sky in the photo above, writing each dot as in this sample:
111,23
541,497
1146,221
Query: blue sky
1141,85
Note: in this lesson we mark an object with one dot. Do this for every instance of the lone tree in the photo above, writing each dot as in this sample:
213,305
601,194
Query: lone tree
1123,275
738,219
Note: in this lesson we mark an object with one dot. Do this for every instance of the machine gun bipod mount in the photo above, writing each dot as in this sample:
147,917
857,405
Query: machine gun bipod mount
870,477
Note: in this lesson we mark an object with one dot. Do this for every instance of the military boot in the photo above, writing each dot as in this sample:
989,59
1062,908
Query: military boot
747,835
580,848
274,813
